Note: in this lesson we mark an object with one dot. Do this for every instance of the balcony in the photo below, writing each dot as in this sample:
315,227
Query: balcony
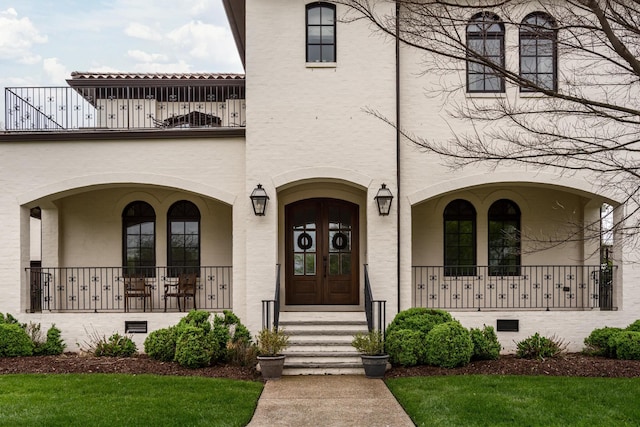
132,104
102,289
550,287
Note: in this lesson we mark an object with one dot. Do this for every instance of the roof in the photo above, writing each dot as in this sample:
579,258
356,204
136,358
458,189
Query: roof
86,75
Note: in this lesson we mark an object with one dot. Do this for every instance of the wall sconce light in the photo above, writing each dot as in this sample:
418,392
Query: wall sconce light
383,199
259,200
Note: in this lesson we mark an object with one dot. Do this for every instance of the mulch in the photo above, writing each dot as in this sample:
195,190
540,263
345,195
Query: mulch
572,364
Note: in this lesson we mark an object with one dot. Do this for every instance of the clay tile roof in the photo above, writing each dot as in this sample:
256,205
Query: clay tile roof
83,75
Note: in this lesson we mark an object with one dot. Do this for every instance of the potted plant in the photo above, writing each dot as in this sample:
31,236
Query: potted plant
371,347
270,344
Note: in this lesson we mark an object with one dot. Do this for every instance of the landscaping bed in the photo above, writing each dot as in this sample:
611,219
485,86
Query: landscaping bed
572,364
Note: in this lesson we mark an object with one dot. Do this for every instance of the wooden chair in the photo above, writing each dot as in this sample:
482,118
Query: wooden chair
186,287
136,287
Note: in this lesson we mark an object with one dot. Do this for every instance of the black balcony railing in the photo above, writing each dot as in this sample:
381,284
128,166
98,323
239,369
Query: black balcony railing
31,109
102,289
550,287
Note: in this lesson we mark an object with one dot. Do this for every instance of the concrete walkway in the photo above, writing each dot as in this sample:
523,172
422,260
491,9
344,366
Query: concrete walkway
339,400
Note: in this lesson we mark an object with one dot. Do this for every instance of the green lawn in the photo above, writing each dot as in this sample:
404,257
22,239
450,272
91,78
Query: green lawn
125,400
519,400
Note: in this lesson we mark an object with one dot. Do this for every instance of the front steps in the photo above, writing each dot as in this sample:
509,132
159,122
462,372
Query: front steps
320,342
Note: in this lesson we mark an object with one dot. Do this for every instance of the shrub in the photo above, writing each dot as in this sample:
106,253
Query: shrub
419,319
242,353
14,341
371,343
539,347
485,343
271,342
116,346
161,344
197,318
627,345
597,343
405,347
227,329
195,347
635,326
10,320
449,345
53,344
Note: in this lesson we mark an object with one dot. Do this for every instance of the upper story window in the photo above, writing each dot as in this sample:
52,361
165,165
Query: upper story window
321,32
504,238
538,51
183,222
139,239
485,42
460,239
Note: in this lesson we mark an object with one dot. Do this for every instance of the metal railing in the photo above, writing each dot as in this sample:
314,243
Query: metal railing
102,289
31,109
374,309
537,287
271,307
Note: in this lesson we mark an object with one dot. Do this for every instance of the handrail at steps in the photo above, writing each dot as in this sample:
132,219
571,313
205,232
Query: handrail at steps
272,306
374,309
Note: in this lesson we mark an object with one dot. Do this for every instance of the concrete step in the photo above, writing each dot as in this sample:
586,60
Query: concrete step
320,342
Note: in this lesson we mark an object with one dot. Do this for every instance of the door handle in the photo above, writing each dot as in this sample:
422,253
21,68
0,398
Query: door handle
324,265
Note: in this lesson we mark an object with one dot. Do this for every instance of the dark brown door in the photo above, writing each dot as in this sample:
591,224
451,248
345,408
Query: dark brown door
322,252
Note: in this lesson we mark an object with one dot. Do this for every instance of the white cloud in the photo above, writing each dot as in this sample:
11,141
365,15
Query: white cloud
141,56
17,37
56,71
205,41
141,31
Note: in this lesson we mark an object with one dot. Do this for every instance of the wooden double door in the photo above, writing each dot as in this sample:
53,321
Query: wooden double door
322,258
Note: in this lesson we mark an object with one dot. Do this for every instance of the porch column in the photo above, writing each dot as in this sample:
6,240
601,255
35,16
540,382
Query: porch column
50,236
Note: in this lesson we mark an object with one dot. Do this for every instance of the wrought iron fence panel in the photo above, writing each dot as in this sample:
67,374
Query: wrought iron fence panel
550,287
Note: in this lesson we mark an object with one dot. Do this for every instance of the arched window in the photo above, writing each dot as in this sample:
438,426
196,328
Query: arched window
538,51
485,42
183,223
504,238
460,239
139,239
321,32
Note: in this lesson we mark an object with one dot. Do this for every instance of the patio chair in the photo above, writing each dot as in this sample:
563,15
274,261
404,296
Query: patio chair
136,287
184,288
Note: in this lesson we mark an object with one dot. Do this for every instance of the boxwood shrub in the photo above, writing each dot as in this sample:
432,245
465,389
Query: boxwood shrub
195,347
419,319
449,345
405,347
161,344
14,341
485,343
635,326
597,343
627,345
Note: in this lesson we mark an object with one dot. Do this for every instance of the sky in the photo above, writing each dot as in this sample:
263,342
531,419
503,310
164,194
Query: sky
43,41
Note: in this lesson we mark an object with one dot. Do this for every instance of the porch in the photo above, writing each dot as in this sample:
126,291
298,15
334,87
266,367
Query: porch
102,289
523,287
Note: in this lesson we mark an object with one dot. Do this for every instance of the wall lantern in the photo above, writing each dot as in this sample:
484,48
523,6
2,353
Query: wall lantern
383,199
259,200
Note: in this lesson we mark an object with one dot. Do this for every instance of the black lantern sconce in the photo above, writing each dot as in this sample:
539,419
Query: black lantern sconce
259,200
383,199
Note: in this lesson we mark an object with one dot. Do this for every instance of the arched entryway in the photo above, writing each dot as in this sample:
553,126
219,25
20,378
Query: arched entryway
322,252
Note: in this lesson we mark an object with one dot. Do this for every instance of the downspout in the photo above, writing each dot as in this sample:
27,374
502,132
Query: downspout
398,136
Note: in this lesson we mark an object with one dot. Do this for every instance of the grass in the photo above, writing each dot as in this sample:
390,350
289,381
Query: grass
470,400
125,400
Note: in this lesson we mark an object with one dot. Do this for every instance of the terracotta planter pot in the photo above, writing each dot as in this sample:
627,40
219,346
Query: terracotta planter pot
271,366
375,366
